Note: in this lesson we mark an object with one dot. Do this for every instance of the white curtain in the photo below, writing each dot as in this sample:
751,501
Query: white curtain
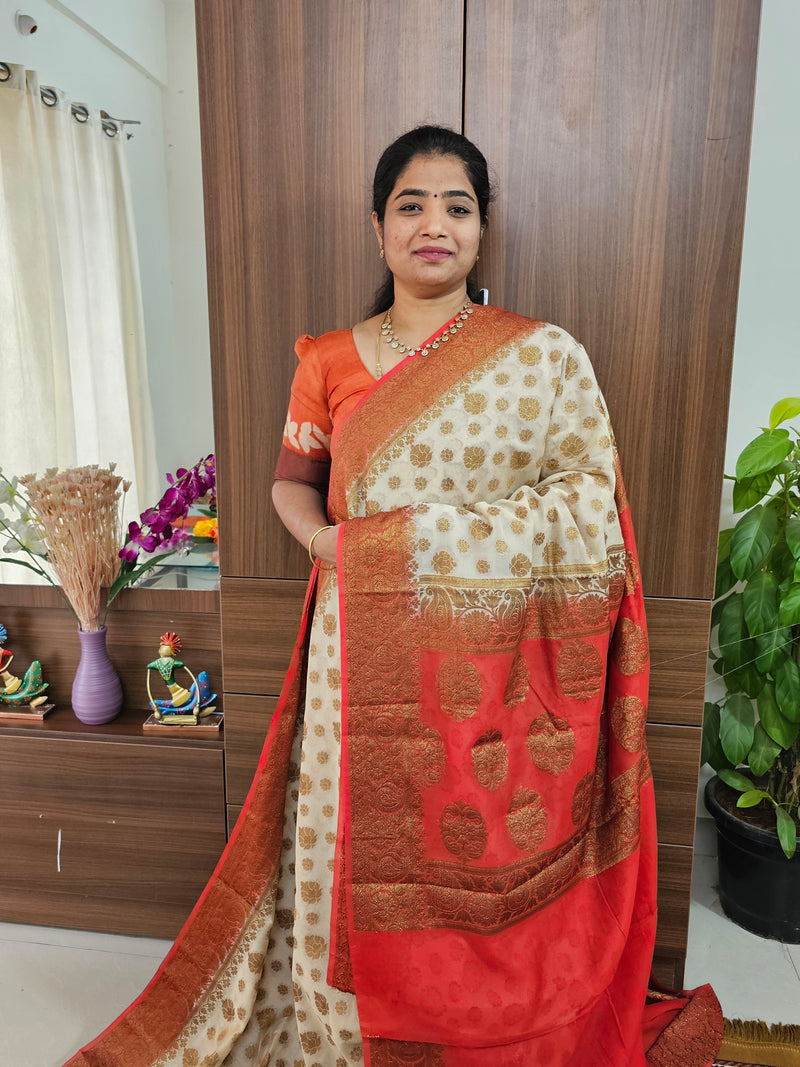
74,373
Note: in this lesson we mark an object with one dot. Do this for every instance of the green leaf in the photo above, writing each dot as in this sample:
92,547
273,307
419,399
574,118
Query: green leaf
763,753
751,798
763,454
787,832
724,544
782,563
789,611
773,648
783,410
128,576
787,689
736,780
750,490
30,566
760,600
733,633
744,679
774,722
752,540
711,749
716,611
737,727
725,578
793,535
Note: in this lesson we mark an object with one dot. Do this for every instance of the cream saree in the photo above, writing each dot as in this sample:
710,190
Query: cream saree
447,856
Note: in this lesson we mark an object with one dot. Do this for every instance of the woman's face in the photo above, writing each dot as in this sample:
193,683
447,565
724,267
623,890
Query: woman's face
431,227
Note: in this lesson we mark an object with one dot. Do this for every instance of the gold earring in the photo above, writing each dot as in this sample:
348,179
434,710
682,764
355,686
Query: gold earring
381,252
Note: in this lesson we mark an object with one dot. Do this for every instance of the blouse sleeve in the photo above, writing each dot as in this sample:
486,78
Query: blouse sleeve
305,451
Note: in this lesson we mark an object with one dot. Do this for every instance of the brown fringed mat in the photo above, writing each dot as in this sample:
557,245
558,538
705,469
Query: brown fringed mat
755,1044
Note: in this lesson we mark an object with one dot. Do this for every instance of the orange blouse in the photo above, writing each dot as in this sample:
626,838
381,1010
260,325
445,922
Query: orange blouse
328,385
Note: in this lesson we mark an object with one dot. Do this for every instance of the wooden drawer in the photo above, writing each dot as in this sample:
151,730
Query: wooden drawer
260,619
117,836
247,720
674,895
675,759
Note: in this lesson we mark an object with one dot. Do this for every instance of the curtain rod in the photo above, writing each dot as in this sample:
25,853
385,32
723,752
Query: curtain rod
111,126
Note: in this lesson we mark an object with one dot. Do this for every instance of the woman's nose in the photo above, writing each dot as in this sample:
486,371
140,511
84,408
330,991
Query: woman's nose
434,221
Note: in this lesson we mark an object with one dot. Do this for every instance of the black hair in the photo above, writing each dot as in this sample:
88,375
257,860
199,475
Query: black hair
427,141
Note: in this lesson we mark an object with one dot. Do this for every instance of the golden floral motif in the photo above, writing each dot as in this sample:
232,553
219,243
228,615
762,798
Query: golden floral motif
519,460
480,529
529,408
592,529
632,574
526,820
446,455
586,383
459,685
630,648
463,831
555,355
475,403
551,743
474,457
530,355
448,485
571,368
500,546
490,759
520,565
421,455
579,670
517,683
501,404
572,446
443,563
552,514
553,553
627,722
482,566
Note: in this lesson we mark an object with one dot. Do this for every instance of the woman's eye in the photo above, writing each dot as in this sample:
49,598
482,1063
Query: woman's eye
459,209
409,208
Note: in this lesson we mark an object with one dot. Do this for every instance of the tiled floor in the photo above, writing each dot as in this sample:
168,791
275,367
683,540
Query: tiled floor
58,988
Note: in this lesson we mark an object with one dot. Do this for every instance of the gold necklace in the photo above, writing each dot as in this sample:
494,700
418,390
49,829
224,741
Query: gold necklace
450,328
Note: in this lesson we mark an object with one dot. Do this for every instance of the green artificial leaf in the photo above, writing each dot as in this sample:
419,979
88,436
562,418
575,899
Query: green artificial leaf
787,832
760,600
763,753
752,540
784,409
736,780
787,689
737,723
732,637
773,648
774,722
789,611
763,454
749,491
751,798
725,579
793,535
744,679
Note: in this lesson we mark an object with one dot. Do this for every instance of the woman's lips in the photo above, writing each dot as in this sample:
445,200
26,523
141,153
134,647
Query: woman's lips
433,255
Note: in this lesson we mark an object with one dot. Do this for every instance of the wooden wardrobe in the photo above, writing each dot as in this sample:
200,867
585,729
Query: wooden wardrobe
618,132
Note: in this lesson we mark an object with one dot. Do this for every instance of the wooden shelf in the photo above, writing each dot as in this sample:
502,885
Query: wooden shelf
62,724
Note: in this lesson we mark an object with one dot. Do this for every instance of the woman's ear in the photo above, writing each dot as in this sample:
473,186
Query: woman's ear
378,228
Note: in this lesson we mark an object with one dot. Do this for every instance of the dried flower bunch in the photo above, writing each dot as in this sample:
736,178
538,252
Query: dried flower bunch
70,522
79,514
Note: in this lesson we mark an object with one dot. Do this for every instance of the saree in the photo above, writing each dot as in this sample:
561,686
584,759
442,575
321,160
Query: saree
448,853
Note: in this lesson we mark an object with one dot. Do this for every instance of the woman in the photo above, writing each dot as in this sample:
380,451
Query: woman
447,856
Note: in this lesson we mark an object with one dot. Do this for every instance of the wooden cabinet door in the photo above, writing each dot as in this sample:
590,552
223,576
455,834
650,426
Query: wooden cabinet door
619,133
297,102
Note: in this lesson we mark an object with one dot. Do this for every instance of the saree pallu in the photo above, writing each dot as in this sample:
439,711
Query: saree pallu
476,884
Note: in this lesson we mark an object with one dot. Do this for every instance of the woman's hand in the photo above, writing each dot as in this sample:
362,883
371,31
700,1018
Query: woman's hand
325,545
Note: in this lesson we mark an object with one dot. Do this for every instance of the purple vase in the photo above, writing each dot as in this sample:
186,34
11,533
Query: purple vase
96,690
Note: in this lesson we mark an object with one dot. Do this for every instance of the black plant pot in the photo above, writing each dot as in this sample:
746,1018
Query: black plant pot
759,888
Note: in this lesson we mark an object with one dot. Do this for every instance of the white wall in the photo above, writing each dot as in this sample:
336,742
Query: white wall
136,60
766,361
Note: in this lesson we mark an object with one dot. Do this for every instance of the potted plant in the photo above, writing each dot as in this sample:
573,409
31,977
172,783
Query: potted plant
750,735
